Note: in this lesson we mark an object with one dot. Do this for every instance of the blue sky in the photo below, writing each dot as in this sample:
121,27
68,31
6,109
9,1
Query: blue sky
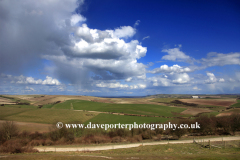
119,48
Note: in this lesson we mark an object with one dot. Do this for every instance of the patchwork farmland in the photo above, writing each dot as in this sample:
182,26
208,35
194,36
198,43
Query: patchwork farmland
33,118
48,109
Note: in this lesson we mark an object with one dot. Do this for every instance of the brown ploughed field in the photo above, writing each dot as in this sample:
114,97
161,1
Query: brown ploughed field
195,111
211,102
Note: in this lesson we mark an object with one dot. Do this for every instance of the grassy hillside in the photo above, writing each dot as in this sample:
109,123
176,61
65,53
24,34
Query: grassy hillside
10,111
141,109
214,108
50,116
51,113
115,119
43,115
164,100
236,105
15,99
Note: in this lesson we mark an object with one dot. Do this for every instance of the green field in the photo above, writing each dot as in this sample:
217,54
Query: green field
115,119
51,113
10,111
48,106
236,105
211,113
43,115
141,109
214,108
164,100
21,106
50,116
235,110
64,105
64,112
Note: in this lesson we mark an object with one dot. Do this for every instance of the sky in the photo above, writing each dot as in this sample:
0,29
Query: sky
119,47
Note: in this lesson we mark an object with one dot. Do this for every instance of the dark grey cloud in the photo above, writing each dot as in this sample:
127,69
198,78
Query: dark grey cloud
30,29
35,30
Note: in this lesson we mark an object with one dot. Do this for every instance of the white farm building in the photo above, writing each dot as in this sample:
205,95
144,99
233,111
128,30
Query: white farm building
195,96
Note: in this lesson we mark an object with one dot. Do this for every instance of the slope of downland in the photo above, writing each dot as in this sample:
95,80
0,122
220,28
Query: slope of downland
116,119
138,109
43,115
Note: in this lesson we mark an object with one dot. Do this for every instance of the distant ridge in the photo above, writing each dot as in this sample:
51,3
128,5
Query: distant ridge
122,96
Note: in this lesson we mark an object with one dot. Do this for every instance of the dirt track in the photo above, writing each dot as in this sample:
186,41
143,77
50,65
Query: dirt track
108,147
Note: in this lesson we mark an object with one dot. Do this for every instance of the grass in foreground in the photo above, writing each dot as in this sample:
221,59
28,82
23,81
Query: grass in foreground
169,151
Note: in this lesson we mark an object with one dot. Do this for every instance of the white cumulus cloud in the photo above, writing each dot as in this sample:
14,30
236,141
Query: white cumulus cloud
220,59
76,18
175,54
51,81
123,32
221,80
30,80
196,88
211,78
181,78
121,86
167,69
